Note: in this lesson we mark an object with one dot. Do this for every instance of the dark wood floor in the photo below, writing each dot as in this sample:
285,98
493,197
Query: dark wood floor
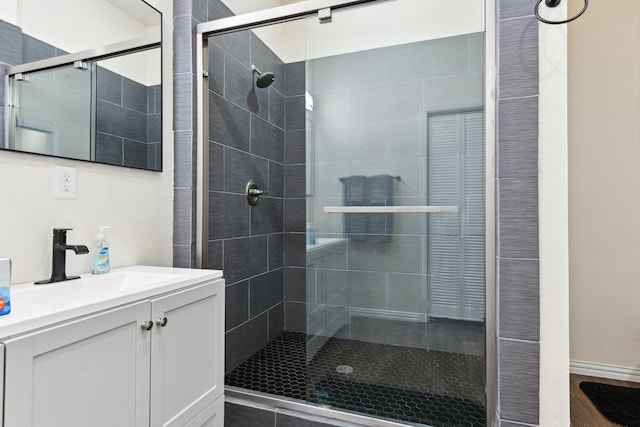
583,412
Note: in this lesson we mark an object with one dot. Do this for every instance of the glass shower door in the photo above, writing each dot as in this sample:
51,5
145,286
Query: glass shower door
395,213
51,112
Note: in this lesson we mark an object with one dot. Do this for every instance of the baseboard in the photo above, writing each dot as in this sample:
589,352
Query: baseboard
604,371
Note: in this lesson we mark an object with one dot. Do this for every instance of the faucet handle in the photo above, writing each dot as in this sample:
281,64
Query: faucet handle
61,230
60,235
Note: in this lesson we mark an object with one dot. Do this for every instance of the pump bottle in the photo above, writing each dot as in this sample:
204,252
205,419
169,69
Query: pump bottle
100,261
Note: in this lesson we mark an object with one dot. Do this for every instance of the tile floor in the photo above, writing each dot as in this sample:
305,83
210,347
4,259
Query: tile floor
409,384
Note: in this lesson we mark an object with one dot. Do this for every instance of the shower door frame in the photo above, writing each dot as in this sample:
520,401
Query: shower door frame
307,9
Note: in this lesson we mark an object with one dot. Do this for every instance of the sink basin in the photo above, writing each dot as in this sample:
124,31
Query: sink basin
127,279
88,288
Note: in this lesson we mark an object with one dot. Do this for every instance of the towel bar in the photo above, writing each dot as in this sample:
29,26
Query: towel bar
390,209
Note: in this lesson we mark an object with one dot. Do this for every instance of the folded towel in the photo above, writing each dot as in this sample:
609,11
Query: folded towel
359,190
354,192
379,226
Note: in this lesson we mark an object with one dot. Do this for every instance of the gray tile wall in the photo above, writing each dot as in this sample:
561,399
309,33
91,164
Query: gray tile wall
10,54
295,198
247,142
186,15
184,136
128,127
241,415
517,259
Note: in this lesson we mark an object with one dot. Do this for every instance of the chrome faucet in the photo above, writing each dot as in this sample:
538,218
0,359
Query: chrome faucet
59,257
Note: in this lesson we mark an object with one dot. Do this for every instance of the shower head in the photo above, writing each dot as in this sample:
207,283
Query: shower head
264,79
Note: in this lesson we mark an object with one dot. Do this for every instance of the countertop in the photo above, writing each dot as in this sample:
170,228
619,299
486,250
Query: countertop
36,306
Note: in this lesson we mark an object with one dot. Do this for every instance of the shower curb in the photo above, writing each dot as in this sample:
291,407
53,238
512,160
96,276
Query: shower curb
305,412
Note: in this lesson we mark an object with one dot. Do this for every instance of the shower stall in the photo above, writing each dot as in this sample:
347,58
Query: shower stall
342,176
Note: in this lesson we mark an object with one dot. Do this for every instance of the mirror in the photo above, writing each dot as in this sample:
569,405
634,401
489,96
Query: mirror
82,80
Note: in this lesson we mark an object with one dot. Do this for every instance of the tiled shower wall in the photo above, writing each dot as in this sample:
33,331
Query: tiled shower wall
246,142
516,201
295,199
255,134
128,113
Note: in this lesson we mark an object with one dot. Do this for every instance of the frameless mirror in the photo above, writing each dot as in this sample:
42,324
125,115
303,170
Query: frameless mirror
82,80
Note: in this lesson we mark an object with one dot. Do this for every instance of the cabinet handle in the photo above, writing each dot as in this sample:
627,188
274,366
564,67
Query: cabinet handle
147,325
162,321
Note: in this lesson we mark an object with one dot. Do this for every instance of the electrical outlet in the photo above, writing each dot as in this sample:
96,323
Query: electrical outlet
66,183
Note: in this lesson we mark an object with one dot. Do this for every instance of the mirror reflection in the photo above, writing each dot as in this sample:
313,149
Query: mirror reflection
82,88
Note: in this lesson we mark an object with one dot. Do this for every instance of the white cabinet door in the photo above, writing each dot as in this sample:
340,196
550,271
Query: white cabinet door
90,372
1,383
187,372
213,416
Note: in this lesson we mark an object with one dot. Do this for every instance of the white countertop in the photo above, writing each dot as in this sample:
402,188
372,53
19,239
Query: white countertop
36,306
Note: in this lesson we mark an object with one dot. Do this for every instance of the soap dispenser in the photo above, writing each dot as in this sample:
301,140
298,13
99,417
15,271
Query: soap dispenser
100,261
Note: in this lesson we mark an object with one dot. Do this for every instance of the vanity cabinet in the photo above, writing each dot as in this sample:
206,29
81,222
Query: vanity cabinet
154,362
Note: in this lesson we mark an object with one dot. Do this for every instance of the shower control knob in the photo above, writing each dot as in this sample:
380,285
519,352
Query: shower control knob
256,192
253,192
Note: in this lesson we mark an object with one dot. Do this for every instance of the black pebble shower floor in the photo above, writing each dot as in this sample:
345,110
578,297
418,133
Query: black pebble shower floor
413,385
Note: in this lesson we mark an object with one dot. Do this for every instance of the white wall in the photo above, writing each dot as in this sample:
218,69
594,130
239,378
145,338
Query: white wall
137,204
604,202
240,7
356,30
409,20
9,11
76,25
553,222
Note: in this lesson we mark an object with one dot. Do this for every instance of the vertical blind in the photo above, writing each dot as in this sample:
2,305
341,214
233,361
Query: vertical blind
456,241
